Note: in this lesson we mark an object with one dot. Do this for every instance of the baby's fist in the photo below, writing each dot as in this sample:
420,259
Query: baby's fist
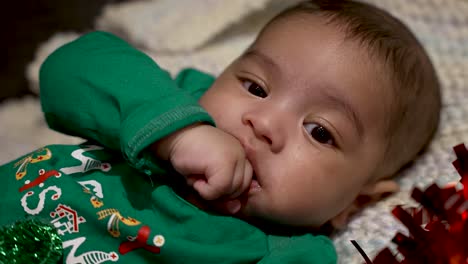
212,161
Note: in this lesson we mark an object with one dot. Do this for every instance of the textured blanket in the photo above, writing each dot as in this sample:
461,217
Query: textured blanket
209,34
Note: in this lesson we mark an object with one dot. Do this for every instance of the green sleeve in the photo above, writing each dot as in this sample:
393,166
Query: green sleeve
306,249
194,81
100,88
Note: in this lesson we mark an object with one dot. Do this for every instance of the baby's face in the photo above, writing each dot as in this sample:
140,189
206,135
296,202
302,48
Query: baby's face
308,109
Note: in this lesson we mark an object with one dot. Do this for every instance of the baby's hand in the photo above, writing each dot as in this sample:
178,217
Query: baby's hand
212,161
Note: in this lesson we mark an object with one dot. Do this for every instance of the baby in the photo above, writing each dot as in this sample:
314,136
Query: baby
307,126
332,93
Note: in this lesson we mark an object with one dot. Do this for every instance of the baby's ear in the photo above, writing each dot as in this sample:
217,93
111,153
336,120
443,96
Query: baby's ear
370,194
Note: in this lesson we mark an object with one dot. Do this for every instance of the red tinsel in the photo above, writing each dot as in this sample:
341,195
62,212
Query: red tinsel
438,229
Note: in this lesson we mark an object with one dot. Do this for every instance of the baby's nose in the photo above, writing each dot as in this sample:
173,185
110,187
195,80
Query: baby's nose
267,128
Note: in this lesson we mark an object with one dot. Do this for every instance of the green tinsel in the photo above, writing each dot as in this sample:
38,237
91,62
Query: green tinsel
30,241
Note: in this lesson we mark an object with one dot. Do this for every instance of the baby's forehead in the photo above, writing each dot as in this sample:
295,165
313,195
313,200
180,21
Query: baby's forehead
322,26
360,29
352,55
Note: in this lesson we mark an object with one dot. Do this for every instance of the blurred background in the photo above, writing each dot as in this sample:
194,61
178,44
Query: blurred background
27,23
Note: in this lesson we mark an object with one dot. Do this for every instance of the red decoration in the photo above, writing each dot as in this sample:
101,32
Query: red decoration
139,242
438,229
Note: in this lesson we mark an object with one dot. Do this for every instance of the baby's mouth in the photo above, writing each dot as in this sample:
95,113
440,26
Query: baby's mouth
254,185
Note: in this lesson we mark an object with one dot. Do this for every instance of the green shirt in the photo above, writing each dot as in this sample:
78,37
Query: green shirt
102,89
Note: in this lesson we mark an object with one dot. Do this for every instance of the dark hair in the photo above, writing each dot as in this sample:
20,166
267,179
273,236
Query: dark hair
415,108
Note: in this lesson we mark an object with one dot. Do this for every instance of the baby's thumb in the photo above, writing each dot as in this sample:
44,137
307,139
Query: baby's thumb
229,207
224,206
206,190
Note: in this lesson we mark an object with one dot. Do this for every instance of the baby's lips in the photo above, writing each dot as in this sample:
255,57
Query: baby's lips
254,185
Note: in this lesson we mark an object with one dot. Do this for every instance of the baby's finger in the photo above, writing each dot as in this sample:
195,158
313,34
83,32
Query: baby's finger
193,178
212,189
244,178
229,207
248,176
236,180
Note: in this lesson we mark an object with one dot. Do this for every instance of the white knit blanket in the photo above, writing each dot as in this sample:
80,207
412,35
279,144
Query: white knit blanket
209,34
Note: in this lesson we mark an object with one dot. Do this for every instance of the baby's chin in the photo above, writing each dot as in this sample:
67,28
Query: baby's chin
273,226
255,211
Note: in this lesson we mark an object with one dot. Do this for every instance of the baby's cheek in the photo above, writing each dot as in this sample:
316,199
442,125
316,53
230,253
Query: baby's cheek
305,210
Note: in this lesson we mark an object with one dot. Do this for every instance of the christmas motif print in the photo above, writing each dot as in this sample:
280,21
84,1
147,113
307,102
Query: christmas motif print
140,242
39,182
40,179
66,220
57,192
87,163
39,190
90,257
114,220
37,156
95,189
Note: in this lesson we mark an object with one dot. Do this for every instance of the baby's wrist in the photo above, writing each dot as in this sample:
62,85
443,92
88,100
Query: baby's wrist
164,147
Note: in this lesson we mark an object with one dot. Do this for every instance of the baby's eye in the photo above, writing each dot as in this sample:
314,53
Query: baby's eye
319,133
254,88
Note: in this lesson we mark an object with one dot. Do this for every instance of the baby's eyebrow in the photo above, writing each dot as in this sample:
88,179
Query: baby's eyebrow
262,58
346,108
